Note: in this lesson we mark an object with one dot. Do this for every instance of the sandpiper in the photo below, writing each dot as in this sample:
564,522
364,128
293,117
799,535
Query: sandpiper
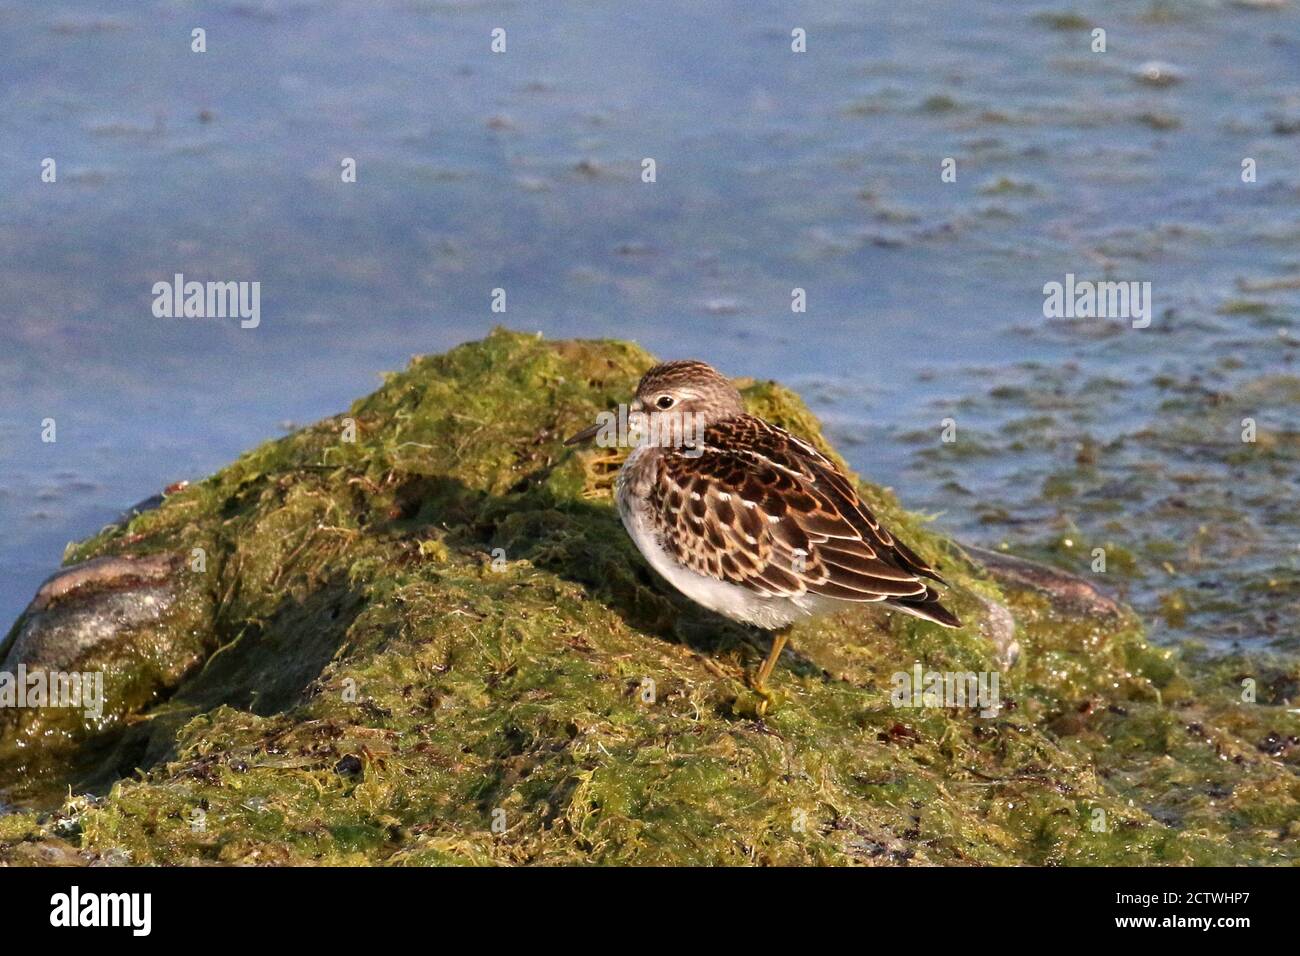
749,521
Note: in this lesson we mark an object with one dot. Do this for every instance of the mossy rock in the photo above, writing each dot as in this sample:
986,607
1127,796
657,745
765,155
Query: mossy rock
419,635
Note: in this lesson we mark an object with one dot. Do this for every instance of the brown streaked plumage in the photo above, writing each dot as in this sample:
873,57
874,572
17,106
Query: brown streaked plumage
761,509
750,521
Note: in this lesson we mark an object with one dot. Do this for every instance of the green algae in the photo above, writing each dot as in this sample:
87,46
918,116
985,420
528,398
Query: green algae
1066,20
433,644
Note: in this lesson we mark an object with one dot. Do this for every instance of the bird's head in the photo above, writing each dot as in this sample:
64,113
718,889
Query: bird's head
675,401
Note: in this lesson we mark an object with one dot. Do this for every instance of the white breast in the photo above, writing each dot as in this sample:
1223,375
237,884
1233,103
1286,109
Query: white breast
730,600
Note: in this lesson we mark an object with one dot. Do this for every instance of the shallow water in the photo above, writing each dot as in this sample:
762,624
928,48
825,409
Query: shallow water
775,170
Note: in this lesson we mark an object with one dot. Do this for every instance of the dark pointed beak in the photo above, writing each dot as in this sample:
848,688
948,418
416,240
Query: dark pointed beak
584,436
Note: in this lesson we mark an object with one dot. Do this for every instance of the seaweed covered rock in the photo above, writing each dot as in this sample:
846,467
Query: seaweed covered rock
415,633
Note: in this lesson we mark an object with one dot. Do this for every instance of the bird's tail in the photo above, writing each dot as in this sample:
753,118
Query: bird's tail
927,607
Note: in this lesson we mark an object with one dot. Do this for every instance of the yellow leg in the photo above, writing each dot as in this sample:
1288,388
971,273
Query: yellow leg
765,671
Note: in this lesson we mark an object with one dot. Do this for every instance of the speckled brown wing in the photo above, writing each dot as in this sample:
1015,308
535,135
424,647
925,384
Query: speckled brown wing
760,508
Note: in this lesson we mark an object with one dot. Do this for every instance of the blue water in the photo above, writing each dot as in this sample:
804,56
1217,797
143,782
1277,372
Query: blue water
521,170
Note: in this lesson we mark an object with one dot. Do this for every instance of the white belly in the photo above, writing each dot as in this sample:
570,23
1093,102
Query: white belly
730,600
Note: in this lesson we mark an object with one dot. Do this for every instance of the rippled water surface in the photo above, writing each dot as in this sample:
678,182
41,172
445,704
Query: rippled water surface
775,170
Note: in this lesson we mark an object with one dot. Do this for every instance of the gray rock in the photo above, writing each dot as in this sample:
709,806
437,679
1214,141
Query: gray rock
83,606
1068,592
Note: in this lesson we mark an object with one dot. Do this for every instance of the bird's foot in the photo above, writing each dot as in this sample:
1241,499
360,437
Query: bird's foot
758,682
766,697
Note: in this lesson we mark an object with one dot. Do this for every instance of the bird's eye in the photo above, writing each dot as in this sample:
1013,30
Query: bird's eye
664,401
